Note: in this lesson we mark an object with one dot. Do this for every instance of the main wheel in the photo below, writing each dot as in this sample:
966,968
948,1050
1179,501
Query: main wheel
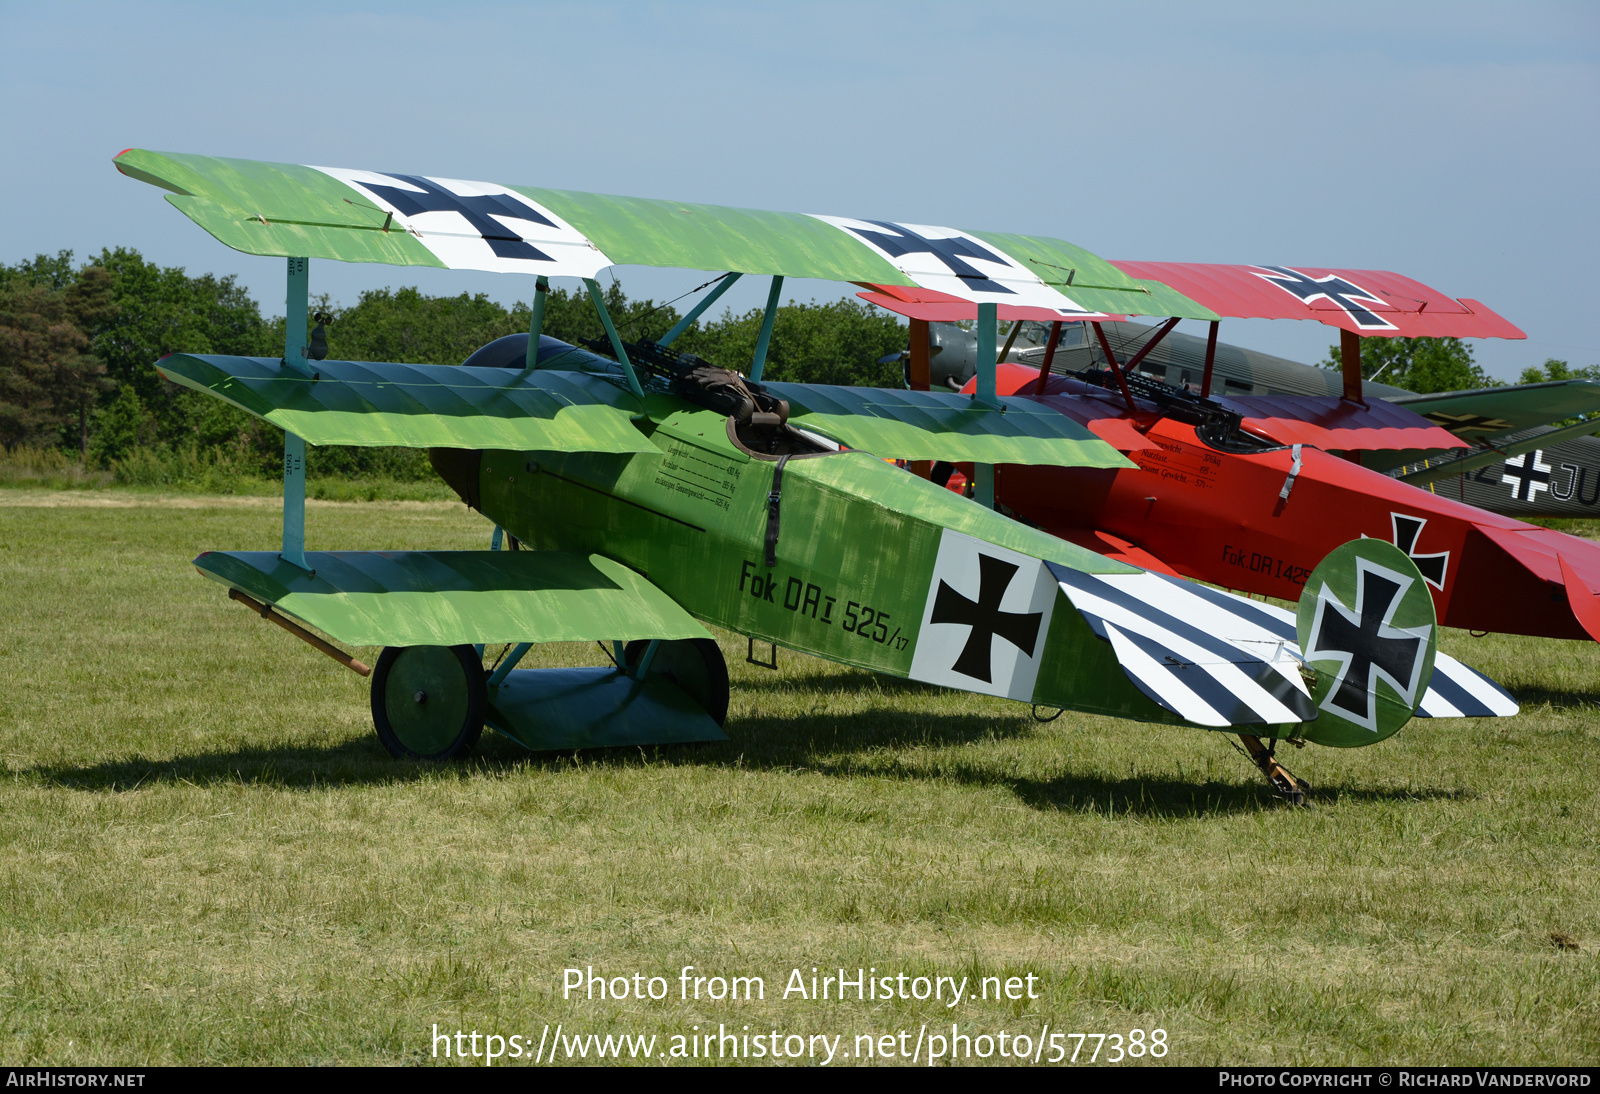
695,665
429,702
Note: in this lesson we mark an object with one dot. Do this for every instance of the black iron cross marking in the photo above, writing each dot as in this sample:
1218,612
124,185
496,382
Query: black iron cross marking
1467,423
479,210
1529,475
1406,532
985,617
1336,290
1370,650
903,241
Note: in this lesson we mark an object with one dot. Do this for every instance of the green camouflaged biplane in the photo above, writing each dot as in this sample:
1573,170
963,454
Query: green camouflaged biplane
646,493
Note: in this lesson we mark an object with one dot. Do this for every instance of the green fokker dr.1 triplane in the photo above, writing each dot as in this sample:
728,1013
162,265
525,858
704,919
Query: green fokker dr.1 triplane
638,495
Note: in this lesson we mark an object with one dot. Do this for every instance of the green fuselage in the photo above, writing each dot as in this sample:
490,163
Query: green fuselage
855,558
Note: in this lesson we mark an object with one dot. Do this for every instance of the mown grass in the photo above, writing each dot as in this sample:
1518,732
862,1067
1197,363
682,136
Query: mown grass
205,855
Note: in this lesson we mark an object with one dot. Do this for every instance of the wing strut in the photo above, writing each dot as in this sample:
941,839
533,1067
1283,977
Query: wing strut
1211,360
984,393
919,377
698,310
541,289
265,611
1155,340
1111,363
1049,356
1350,357
611,332
771,314
294,446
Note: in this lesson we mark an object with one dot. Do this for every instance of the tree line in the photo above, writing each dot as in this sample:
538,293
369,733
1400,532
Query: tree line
1429,365
77,342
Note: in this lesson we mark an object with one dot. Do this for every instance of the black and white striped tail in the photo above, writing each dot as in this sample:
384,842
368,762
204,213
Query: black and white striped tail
1218,659
1456,690
1209,658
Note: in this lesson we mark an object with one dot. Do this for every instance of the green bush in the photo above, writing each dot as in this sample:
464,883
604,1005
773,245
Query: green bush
49,468
211,471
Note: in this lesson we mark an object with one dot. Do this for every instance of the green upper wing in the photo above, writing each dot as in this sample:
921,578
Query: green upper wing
1091,280
409,220
422,406
932,425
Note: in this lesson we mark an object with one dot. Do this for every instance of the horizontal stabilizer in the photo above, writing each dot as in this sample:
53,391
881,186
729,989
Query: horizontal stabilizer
1219,659
1461,691
451,598
421,406
1455,690
1207,657
933,425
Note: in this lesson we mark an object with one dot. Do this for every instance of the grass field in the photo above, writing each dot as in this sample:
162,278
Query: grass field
206,856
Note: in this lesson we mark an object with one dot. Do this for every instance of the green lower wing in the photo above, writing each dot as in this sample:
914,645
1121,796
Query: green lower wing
421,406
448,598
931,425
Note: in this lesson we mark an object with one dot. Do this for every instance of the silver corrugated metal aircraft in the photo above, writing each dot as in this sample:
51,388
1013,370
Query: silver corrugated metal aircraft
1529,459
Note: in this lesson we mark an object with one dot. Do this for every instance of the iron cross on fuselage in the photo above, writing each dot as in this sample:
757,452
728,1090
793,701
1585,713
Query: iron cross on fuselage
479,210
1363,641
1528,477
985,618
1339,292
952,251
1407,530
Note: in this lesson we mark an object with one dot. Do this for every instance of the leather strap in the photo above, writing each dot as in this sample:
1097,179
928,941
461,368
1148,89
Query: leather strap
772,512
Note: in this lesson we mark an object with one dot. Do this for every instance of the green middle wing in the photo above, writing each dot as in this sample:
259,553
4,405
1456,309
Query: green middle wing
932,425
422,406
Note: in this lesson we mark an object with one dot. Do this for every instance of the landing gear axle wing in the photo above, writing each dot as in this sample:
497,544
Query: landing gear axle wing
451,598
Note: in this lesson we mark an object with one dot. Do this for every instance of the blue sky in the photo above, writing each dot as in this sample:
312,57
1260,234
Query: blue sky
1453,142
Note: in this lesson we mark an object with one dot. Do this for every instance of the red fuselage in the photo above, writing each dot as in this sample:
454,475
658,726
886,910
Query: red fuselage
1220,517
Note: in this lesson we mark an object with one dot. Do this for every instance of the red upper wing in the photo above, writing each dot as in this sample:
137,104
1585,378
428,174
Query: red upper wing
1368,302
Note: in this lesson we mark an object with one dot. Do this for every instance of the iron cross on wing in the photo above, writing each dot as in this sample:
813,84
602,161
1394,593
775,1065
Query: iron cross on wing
1342,294
897,240
478,210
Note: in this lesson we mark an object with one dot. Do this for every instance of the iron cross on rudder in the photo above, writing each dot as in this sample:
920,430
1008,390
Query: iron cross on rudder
1368,646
